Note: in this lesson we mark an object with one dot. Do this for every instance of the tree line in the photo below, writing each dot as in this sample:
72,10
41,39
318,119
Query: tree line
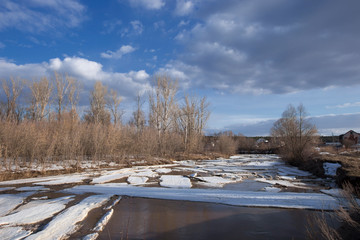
40,122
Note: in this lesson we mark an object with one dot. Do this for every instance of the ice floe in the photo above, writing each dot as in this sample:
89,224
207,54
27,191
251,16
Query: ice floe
175,181
10,201
103,221
35,211
163,170
13,233
64,223
214,181
135,180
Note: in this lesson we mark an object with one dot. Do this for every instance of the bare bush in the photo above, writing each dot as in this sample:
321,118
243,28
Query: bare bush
226,143
295,134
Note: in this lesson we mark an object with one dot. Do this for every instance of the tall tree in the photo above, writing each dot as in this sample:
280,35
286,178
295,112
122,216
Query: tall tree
113,101
12,90
163,104
40,98
97,112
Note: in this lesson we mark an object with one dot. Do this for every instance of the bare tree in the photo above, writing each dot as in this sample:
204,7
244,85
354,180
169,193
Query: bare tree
295,133
98,112
12,90
62,85
41,93
192,118
163,104
113,102
138,118
73,96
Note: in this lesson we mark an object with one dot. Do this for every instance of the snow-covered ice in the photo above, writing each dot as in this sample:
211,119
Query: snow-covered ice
135,180
3,189
64,224
33,188
282,183
13,233
103,221
35,211
10,201
175,181
331,168
215,181
163,170
237,198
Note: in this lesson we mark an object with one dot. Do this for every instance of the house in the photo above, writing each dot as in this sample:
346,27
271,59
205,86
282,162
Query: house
350,138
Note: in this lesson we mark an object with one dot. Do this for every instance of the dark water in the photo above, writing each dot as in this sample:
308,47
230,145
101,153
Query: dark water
139,218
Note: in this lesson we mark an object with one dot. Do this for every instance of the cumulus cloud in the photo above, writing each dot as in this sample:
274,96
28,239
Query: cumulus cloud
276,46
125,49
86,71
41,15
184,7
148,4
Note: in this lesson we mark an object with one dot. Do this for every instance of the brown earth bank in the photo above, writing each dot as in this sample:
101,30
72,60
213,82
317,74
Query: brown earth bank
348,173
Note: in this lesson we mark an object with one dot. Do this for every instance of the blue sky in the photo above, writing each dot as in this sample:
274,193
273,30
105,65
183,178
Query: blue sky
251,58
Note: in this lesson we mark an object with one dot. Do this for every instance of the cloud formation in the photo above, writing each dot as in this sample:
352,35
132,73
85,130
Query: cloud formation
41,15
184,7
84,70
125,49
148,4
276,46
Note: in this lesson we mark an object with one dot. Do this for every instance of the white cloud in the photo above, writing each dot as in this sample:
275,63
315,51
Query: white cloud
84,70
2,45
139,76
125,49
148,4
346,105
184,7
78,67
137,26
41,15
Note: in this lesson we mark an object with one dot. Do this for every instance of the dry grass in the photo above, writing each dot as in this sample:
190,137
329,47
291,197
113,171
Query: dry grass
348,216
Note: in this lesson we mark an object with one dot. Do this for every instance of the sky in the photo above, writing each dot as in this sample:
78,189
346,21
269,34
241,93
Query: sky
250,58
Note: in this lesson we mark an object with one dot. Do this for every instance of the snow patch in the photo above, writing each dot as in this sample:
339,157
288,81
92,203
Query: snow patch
331,168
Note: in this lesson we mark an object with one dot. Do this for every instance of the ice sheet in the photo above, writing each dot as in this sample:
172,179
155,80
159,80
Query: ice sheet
237,198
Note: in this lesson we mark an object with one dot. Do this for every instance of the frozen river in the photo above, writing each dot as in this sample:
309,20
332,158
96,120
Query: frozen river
244,197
